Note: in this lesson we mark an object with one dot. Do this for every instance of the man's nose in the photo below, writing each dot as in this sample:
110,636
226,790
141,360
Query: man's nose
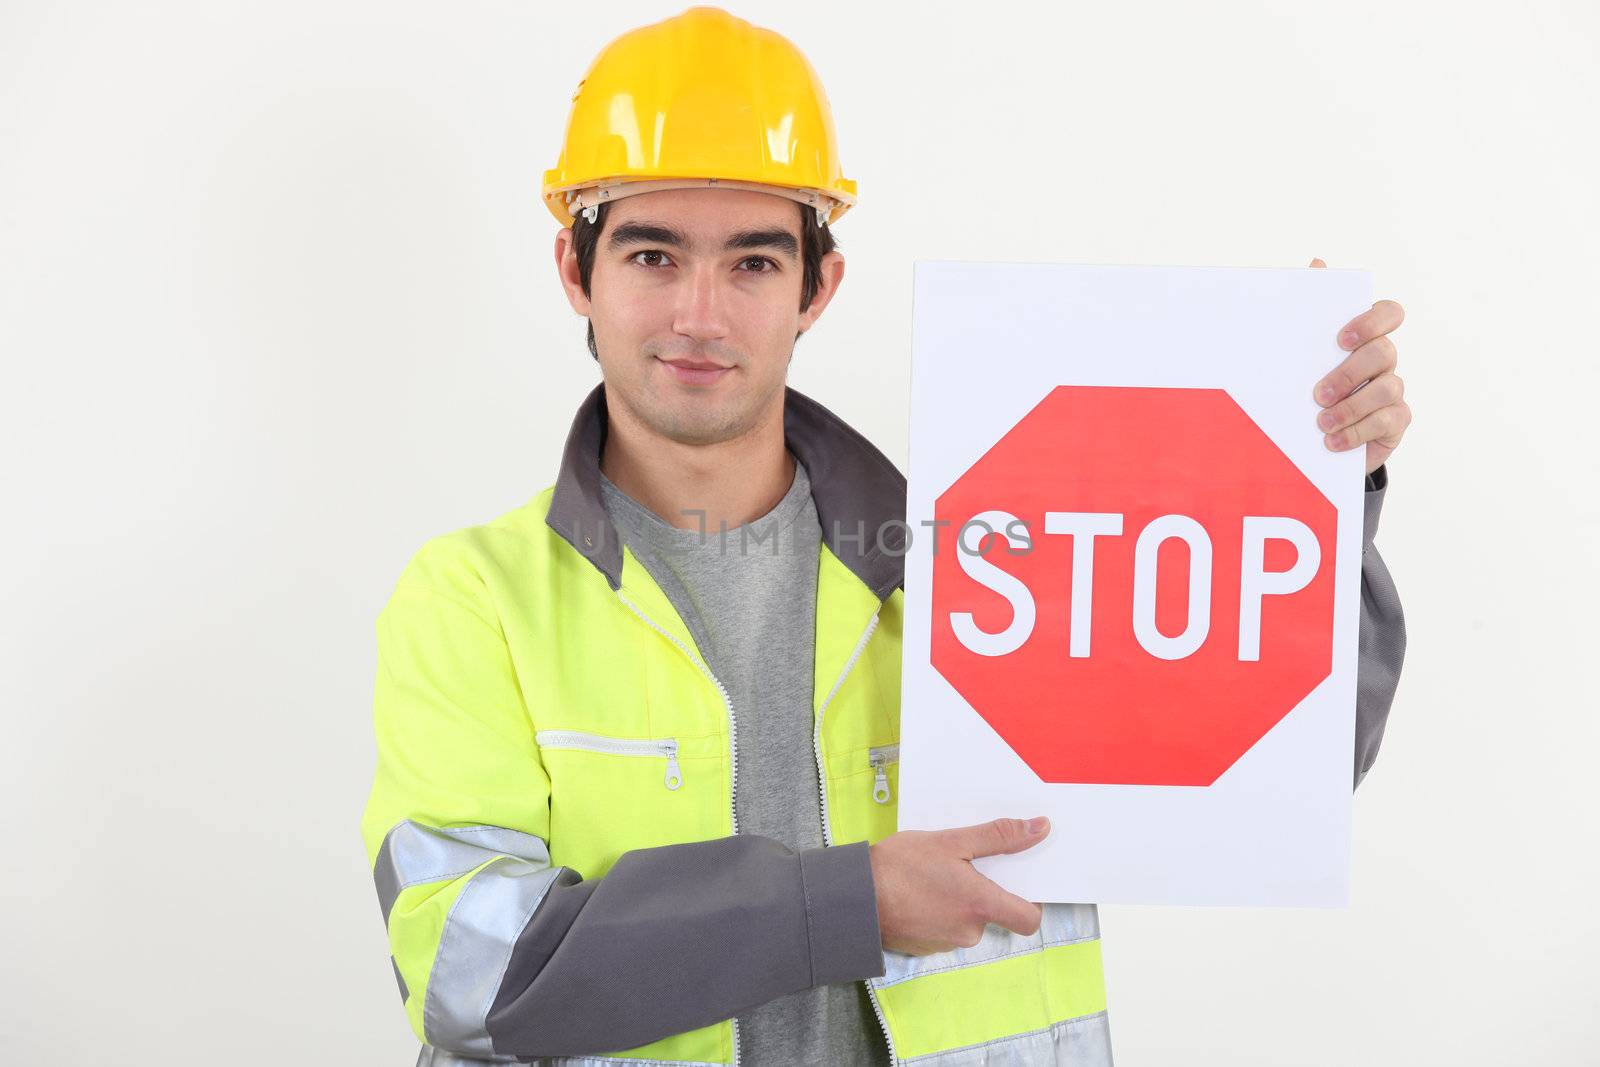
701,310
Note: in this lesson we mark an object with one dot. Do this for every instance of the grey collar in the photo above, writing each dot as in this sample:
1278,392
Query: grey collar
860,495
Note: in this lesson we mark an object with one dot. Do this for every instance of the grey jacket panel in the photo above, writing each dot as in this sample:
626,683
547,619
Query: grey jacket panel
682,936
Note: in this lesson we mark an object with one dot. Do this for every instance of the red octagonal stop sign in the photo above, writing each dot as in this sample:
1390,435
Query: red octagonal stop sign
1156,594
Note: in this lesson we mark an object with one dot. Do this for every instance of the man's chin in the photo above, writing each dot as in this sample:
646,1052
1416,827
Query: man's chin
701,428
695,415
689,416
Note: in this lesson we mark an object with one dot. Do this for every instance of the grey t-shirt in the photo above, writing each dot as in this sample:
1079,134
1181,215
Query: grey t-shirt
748,596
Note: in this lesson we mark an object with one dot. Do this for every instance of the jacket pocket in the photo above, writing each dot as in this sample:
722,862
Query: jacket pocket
648,748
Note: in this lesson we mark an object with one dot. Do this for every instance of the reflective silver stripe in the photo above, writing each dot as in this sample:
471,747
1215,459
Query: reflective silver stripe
1081,1042
413,854
428,1056
1062,924
476,945
435,1057
400,979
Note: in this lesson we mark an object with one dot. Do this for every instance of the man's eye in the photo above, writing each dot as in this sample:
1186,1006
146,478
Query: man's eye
757,264
650,258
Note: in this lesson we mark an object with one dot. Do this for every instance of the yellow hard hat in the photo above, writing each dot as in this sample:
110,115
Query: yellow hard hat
700,99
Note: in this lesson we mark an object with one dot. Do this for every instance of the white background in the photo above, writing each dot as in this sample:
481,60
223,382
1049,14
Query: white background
276,305
1274,828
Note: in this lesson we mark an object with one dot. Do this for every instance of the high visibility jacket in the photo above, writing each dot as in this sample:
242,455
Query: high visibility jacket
544,722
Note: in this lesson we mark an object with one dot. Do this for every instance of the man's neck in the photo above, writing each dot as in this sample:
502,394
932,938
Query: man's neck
698,487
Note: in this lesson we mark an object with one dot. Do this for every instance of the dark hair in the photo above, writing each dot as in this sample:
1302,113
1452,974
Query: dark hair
816,241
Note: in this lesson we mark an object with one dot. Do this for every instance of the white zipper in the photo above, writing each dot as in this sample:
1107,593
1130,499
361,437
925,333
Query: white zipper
827,832
616,746
877,759
733,753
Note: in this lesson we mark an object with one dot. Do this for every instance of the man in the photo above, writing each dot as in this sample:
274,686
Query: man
632,788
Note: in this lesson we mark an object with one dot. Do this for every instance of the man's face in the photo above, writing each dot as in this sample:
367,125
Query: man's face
695,303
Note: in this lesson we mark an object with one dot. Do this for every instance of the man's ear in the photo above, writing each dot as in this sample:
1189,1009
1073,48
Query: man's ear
832,275
567,268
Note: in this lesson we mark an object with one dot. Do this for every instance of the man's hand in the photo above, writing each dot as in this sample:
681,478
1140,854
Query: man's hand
1363,400
931,899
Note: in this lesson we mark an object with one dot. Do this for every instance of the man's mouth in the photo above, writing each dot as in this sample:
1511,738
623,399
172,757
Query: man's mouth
695,371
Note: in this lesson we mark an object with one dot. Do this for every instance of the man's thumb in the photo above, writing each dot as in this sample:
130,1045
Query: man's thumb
1002,836
1318,263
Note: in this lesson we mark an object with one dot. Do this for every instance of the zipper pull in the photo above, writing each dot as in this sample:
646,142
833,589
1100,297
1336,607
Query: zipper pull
880,783
674,774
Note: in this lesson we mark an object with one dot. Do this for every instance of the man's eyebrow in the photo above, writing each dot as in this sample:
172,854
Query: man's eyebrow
774,240
633,233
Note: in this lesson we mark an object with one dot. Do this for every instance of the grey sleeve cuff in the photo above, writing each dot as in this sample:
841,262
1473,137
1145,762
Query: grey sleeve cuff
1382,642
842,914
1372,499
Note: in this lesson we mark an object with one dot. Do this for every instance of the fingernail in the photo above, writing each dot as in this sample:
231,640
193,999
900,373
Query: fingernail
1348,339
1336,442
1326,420
1325,392
1038,824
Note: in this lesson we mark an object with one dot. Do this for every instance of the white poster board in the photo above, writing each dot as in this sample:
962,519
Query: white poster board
1097,391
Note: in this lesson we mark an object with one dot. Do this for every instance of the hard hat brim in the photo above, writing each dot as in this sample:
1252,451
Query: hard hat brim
565,202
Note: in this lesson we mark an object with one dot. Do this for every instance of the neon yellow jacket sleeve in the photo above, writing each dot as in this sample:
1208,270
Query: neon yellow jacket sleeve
458,787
